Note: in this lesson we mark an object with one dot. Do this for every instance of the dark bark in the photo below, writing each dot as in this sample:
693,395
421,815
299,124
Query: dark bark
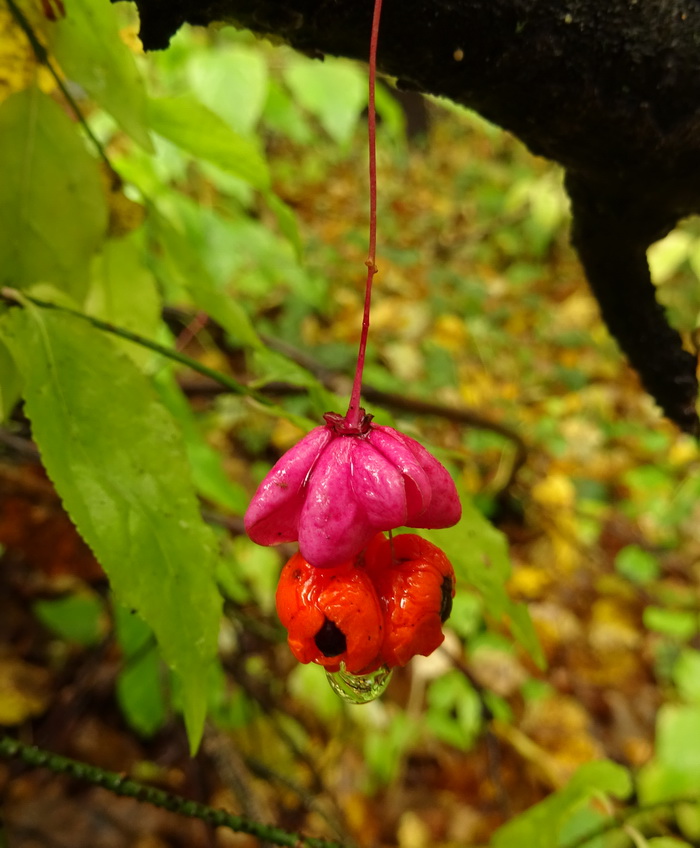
608,88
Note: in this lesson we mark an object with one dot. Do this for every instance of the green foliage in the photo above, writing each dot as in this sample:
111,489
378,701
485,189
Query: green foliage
636,564
53,213
76,618
125,292
87,45
140,685
213,74
10,386
334,92
384,749
686,675
136,510
567,813
479,554
454,710
130,454
196,129
678,624
675,769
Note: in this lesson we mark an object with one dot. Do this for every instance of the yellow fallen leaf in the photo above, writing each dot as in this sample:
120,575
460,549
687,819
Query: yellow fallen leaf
24,691
529,581
285,434
449,332
555,490
18,64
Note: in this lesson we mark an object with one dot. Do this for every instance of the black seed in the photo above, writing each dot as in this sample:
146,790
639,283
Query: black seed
330,639
446,601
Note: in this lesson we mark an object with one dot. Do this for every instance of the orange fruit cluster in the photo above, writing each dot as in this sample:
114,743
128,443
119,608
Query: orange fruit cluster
379,609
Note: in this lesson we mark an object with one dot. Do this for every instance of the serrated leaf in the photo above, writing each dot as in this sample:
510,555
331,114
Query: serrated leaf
193,127
118,462
53,213
87,45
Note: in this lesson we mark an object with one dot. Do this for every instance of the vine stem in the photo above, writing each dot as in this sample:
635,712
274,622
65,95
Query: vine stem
355,413
42,57
16,297
128,788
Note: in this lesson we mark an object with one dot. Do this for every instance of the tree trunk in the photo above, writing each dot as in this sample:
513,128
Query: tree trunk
610,89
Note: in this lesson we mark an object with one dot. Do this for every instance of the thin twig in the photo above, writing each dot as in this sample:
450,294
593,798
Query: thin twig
227,382
405,403
460,415
128,788
42,57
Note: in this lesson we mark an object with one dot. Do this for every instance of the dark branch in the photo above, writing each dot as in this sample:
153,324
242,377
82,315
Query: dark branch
610,90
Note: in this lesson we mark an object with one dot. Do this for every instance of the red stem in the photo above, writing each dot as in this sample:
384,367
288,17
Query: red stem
354,415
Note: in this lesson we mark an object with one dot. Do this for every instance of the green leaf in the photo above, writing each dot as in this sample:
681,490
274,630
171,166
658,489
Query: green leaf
53,213
259,567
544,825
195,128
118,462
124,292
454,710
667,256
385,746
232,83
479,554
76,618
185,265
678,736
393,117
139,689
140,693
287,222
675,623
87,45
334,91
636,564
686,675
208,474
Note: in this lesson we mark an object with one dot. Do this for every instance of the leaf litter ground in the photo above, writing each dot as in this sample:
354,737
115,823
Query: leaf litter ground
480,303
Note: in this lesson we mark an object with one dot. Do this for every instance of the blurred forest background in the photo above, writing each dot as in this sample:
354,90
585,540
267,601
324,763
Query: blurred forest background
236,233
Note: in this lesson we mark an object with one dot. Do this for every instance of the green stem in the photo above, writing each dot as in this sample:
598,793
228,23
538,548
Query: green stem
622,818
227,382
128,788
42,57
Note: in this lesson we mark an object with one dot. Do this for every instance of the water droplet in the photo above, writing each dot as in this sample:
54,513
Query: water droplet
359,688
